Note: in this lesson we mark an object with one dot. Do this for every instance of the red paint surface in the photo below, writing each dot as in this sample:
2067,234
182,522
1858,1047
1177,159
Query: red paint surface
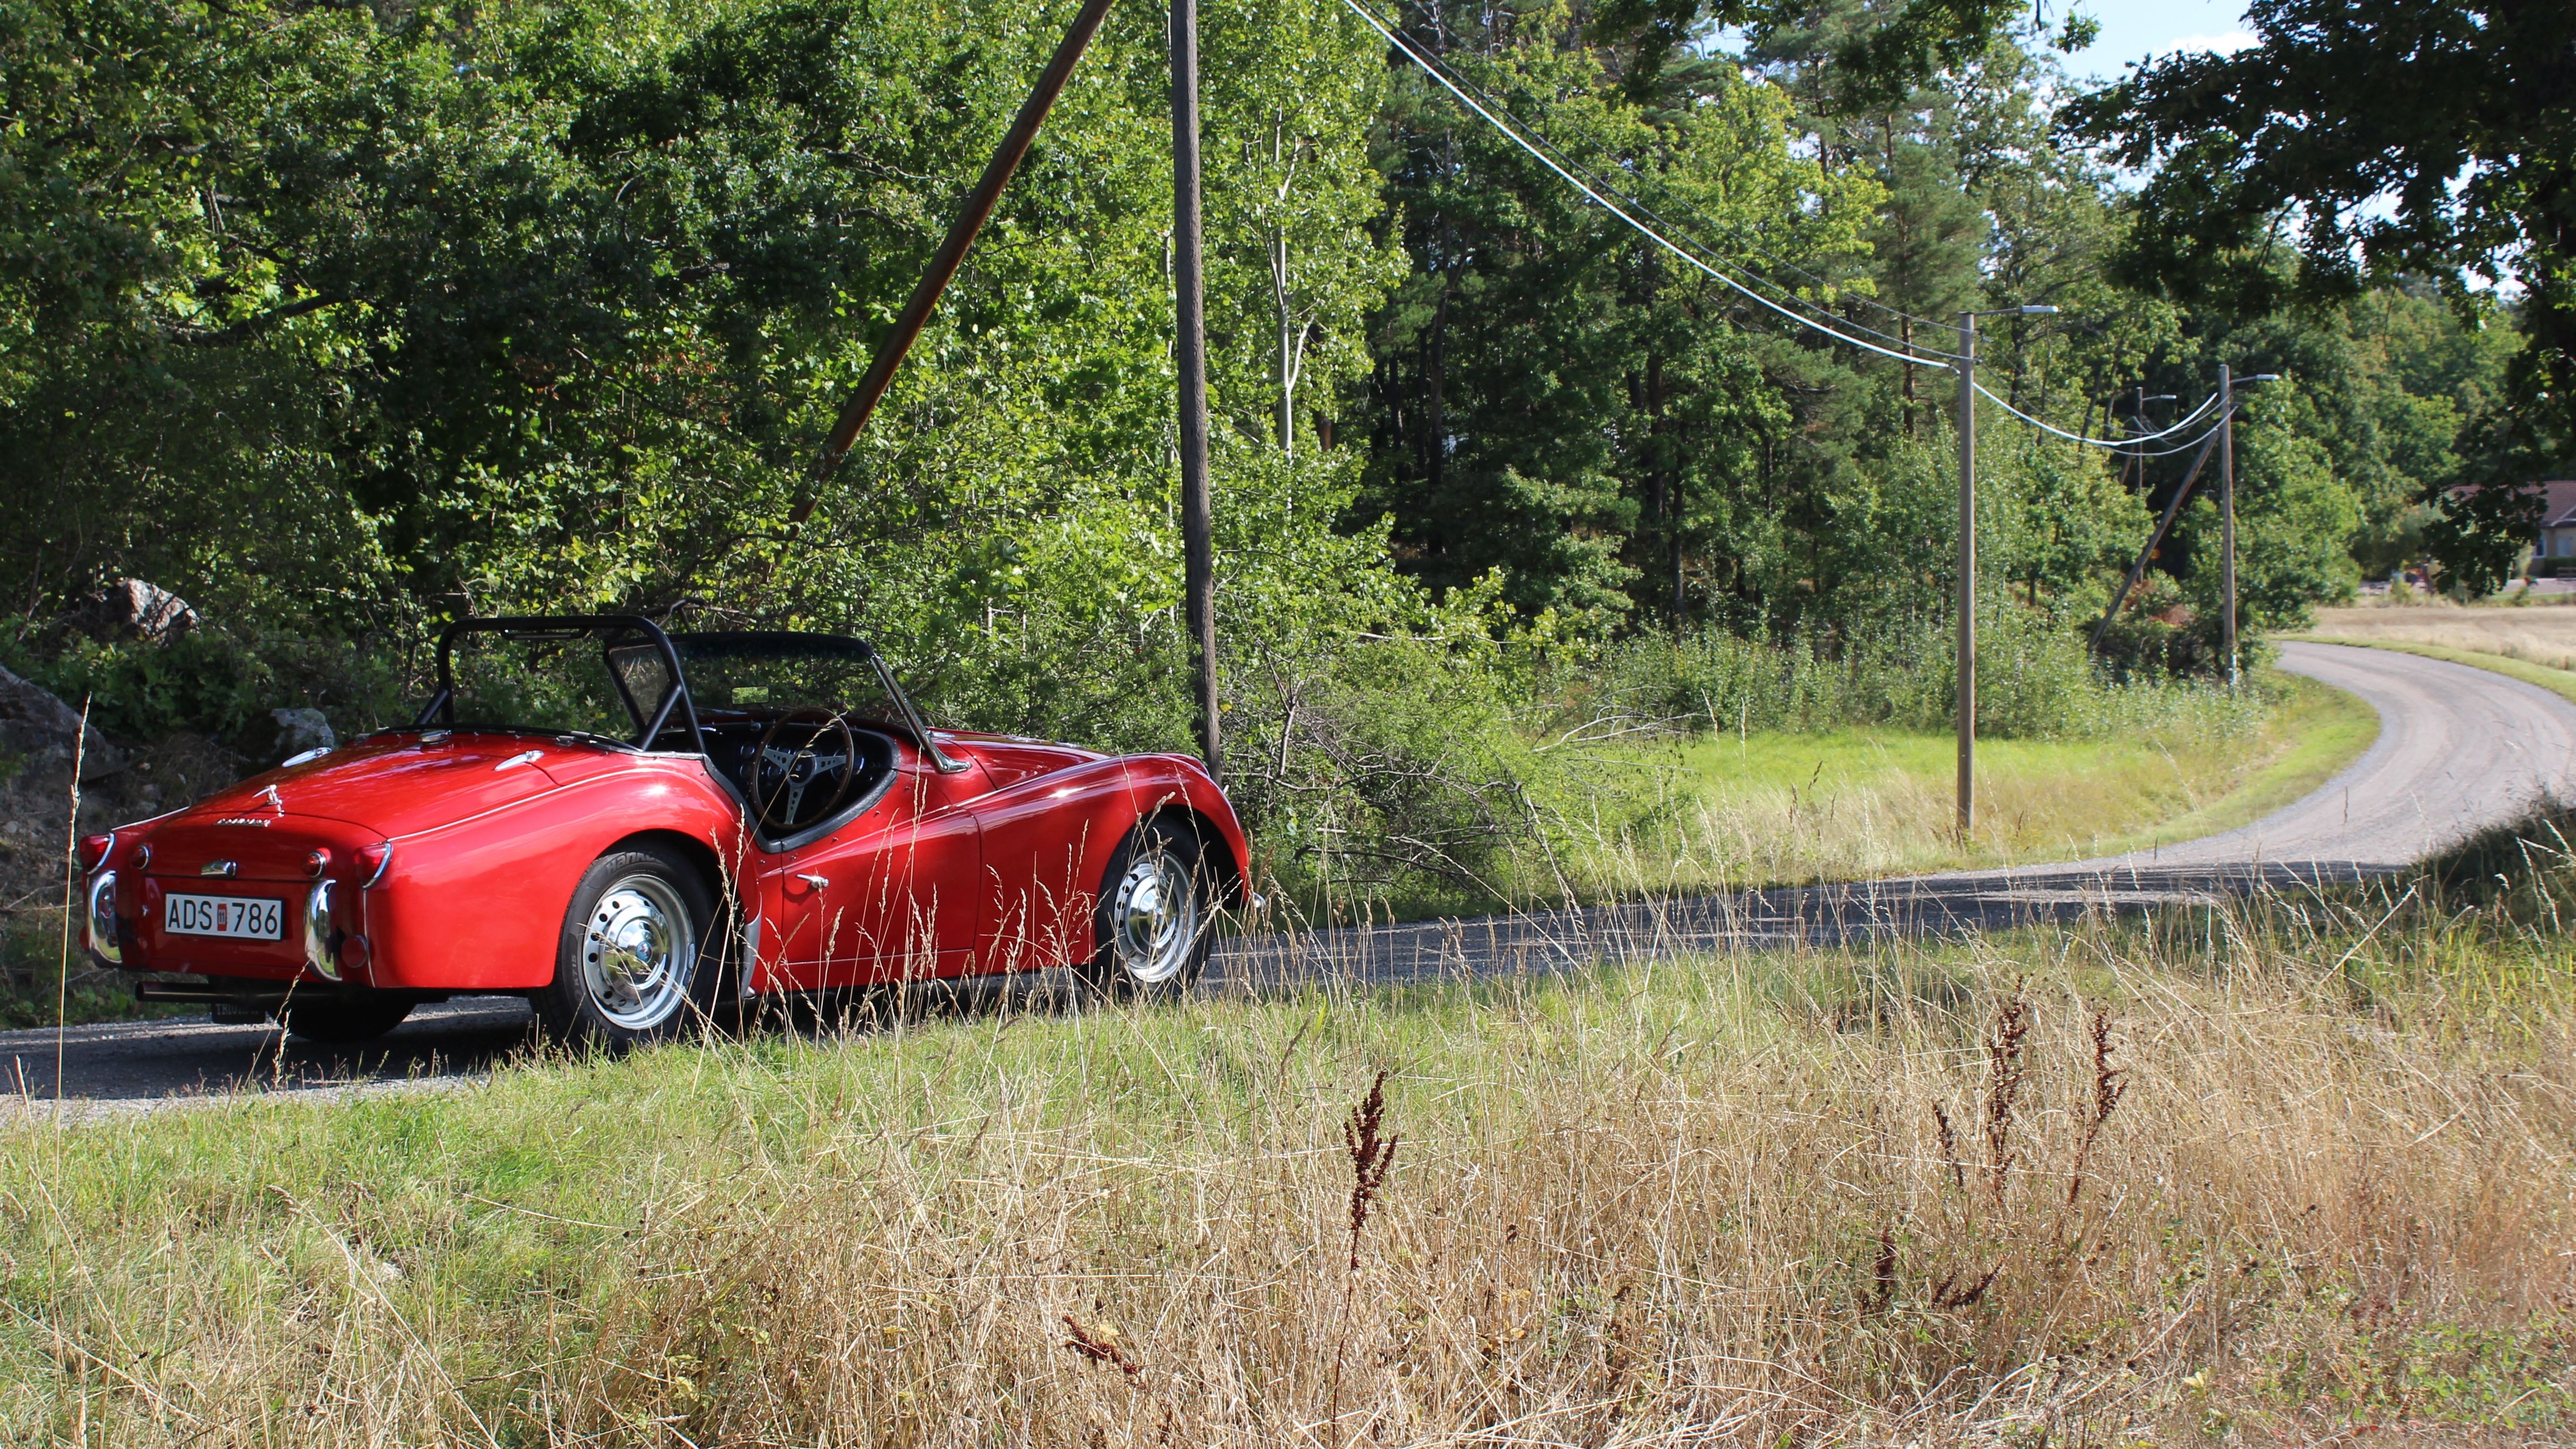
992,868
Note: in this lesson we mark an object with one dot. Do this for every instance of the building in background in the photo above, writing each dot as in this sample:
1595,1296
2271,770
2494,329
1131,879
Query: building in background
2553,550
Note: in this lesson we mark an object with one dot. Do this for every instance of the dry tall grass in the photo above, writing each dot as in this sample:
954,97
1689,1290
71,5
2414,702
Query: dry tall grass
2269,1171
2539,634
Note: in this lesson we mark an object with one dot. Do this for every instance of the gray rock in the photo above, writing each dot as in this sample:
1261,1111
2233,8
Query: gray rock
40,736
282,734
134,609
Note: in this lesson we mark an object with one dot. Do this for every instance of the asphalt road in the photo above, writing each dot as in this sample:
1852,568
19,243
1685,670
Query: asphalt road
2459,749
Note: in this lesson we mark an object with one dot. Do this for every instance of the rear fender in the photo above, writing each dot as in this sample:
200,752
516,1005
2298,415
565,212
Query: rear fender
478,905
1049,841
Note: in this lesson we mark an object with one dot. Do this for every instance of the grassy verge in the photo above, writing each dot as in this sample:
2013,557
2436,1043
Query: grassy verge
2263,1174
2560,682
1762,807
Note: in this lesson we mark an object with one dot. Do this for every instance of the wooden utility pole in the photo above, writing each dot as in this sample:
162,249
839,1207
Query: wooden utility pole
2227,512
951,254
1967,670
1198,541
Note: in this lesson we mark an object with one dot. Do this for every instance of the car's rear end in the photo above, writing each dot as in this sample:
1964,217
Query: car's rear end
244,895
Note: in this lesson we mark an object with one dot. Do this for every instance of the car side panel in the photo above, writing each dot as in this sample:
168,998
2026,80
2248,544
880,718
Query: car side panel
1048,842
890,895
478,905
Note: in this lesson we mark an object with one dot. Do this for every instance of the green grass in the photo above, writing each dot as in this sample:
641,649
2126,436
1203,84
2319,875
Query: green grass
1763,807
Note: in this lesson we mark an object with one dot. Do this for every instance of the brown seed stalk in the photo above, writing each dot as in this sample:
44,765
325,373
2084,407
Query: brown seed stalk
2109,1085
1371,1155
1100,1344
1949,1146
1885,1270
2003,1090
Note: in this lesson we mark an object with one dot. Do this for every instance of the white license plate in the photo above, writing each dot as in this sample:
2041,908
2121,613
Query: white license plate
246,918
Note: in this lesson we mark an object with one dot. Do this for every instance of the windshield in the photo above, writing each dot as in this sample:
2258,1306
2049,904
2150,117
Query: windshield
611,677
596,680
761,675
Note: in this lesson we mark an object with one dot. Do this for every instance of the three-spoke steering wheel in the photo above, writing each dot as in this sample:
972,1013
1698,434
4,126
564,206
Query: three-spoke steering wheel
803,769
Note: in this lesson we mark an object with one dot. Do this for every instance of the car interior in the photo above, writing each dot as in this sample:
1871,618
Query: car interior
809,775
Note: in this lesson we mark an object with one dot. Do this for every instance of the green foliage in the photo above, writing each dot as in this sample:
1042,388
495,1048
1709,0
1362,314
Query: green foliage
2034,681
2363,144
344,321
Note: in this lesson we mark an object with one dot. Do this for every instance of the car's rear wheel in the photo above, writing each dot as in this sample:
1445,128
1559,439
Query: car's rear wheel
636,961
1156,903
343,1020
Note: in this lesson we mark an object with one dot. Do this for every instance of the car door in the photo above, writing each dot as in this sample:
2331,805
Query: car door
889,896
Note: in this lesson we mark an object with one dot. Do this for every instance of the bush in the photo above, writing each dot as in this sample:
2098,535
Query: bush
213,682
2034,681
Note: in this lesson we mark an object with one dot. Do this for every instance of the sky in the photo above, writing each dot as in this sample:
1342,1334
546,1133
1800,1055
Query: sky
2132,30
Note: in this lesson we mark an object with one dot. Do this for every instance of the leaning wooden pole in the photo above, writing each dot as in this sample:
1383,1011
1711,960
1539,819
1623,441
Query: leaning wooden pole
945,262
1198,542
2155,540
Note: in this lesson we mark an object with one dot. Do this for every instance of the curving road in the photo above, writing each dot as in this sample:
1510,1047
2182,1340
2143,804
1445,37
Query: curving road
2459,750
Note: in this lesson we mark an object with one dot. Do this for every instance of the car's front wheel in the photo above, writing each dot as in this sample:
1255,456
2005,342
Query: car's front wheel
636,961
1157,900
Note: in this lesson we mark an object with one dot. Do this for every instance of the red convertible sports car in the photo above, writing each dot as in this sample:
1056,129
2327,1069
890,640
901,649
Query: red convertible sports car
627,826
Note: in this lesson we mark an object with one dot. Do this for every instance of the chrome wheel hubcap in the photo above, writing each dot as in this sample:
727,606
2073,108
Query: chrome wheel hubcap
638,953
1154,919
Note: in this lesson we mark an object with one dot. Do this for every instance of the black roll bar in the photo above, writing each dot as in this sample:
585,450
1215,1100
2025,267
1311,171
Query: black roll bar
570,626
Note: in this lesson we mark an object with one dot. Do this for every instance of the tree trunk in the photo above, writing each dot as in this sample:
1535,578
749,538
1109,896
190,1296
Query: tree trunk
1435,442
1664,484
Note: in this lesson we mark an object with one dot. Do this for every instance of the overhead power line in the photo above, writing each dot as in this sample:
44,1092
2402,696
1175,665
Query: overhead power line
1529,139
2117,445
1606,204
1429,60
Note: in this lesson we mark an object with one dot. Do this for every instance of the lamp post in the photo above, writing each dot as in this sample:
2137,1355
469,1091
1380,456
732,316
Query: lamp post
2227,386
1967,669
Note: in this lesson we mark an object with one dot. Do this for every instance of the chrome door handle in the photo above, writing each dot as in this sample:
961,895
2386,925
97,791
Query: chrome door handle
818,882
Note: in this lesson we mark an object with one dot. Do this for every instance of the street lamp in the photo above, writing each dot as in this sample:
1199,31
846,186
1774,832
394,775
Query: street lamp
1968,553
2227,386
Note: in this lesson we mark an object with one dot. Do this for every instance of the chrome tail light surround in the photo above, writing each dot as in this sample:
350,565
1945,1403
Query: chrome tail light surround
102,919
320,949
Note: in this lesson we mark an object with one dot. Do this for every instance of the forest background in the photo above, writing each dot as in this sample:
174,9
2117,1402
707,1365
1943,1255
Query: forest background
342,321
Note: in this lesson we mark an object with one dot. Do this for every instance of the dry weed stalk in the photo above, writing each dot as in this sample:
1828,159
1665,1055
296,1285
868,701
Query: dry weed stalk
2003,1089
1950,1147
1883,1272
2109,1085
1099,1343
1371,1155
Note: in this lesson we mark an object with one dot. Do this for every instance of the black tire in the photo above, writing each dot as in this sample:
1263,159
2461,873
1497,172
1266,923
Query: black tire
343,1020
638,958
1159,954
